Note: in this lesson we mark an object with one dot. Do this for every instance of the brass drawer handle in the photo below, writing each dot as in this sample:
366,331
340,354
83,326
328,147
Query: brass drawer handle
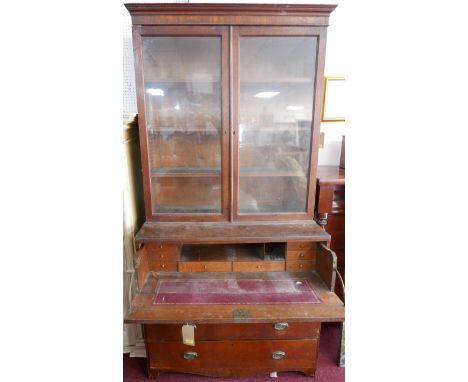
278,354
190,355
281,325
301,254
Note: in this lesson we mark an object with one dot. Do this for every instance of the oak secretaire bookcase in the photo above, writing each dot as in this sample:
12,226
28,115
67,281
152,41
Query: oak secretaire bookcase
229,101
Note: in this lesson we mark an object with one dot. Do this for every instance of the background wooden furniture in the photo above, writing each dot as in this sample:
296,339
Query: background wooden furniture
229,102
330,212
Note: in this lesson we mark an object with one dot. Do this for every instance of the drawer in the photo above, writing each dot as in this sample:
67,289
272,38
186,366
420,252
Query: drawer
169,266
205,266
169,251
164,256
219,332
295,246
302,254
300,265
258,266
215,355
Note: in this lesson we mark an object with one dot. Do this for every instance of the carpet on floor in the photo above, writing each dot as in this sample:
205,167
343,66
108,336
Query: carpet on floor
134,369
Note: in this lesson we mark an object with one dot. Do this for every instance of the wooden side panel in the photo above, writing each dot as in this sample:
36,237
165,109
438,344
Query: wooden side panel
143,266
326,266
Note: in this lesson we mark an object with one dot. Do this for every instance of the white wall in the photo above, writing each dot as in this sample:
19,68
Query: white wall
334,65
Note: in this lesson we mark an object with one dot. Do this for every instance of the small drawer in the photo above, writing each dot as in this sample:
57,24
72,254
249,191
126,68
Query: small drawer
258,266
163,248
302,254
205,266
219,332
300,265
164,256
295,246
165,266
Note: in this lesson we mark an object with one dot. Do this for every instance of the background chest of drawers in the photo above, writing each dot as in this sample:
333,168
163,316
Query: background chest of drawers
330,212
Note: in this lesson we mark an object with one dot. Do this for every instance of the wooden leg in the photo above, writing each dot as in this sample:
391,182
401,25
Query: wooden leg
309,372
341,360
153,374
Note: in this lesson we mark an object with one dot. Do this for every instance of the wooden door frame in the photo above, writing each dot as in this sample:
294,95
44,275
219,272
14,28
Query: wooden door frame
321,34
190,31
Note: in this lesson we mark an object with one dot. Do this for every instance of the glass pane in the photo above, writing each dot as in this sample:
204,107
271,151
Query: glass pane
276,100
183,115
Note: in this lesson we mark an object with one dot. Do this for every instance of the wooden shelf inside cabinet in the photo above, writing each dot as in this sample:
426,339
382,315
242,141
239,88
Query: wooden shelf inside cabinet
168,130
269,172
179,81
203,172
274,129
275,80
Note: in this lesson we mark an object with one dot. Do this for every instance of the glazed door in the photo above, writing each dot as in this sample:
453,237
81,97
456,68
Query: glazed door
275,120
183,110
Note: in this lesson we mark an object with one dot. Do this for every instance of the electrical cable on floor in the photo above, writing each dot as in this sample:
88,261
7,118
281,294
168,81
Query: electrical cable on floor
342,283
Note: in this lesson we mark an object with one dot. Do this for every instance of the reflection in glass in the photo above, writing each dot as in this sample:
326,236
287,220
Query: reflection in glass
277,76
183,116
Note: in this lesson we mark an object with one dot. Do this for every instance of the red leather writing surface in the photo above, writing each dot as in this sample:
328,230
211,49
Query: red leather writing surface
250,291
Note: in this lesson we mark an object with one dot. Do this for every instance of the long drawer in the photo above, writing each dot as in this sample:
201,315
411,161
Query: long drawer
258,266
205,266
163,266
300,265
217,332
210,356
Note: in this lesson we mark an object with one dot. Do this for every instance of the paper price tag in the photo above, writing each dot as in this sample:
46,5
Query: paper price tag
188,335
